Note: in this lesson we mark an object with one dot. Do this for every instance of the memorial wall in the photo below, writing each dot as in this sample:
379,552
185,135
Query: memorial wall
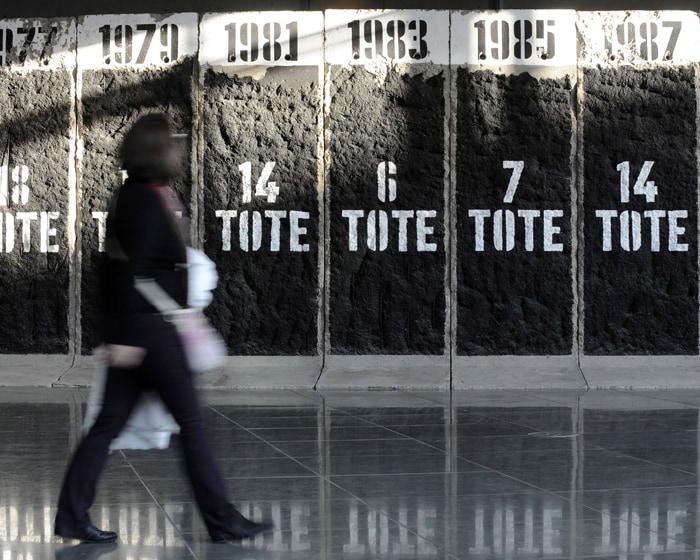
396,189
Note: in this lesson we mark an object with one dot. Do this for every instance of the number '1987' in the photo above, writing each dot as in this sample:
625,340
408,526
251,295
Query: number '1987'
645,39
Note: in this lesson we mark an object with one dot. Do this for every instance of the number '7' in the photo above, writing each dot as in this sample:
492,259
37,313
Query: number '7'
517,167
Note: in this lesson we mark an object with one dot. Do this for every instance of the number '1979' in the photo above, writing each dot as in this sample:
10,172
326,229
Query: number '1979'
118,45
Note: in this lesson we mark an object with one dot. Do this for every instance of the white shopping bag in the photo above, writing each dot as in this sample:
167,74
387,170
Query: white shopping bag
150,425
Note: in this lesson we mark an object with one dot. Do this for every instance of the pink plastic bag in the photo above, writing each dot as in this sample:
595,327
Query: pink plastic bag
204,347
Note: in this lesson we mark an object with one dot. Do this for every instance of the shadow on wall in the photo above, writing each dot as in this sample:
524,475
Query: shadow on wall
387,211
36,313
111,101
386,299
34,283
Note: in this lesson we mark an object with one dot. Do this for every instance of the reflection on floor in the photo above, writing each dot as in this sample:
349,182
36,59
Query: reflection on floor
380,475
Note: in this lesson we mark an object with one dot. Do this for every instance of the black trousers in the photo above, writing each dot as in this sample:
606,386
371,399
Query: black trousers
164,370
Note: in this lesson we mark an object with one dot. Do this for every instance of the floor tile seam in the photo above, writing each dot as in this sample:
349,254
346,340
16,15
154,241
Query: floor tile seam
690,547
298,427
378,412
339,411
261,411
472,462
269,444
393,474
536,396
224,477
175,461
403,437
422,396
641,431
505,423
395,439
571,501
412,473
365,424
325,394
405,526
636,432
406,437
304,394
175,527
636,488
497,437
366,504
647,461
619,518
656,396
651,394
315,428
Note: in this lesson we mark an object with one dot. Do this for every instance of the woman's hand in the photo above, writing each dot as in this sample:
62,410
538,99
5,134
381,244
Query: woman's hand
125,357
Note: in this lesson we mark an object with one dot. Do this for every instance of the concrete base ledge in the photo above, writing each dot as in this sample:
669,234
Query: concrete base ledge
641,372
385,372
33,370
391,372
239,372
265,372
516,372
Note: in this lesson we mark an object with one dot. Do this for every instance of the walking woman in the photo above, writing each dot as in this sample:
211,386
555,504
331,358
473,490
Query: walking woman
145,243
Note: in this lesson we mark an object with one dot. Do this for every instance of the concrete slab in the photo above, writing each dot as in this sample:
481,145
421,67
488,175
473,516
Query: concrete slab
240,372
516,372
391,372
385,372
265,372
33,370
641,372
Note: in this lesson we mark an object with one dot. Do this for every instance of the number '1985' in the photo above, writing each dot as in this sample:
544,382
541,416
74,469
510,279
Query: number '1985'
522,39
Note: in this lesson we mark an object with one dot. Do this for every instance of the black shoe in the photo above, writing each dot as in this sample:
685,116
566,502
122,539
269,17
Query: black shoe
89,534
243,529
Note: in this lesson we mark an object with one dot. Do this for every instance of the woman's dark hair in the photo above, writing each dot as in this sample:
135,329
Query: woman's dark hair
147,151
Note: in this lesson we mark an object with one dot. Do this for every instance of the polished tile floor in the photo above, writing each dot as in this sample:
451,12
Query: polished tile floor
380,475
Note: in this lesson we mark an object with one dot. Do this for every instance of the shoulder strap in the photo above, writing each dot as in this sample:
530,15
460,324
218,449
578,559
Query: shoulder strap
155,295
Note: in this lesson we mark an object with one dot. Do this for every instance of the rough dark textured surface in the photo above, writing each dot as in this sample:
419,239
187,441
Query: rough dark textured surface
386,302
640,302
112,101
267,300
34,132
517,301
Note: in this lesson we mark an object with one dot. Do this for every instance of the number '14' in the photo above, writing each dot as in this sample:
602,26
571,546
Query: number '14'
264,187
641,185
